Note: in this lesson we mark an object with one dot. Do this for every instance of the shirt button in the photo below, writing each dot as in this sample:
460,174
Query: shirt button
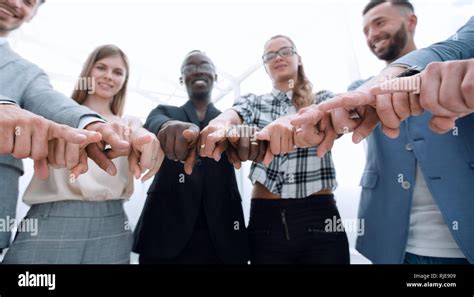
406,185
409,147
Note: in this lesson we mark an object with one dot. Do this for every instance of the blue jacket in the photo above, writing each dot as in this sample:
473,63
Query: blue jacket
447,163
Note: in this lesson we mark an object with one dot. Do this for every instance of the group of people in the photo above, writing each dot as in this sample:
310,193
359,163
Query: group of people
416,196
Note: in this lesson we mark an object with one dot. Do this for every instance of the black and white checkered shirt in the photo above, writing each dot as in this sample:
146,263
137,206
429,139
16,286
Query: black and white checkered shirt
299,173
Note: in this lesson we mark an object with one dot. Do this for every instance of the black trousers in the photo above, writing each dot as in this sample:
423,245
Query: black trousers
295,231
199,249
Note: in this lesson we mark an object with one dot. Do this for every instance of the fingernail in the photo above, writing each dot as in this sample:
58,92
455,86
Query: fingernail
358,137
110,171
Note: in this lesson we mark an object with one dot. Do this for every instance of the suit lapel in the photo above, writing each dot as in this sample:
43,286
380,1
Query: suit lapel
191,113
211,113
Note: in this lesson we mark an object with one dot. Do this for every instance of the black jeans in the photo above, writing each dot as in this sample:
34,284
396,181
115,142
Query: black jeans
294,231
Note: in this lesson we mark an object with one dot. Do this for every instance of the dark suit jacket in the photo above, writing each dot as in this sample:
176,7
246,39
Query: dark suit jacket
175,199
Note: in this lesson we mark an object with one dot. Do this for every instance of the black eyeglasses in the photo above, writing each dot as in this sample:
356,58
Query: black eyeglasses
286,51
203,67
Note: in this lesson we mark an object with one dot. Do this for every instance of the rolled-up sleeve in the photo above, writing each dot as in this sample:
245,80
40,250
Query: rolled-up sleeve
460,46
323,95
245,106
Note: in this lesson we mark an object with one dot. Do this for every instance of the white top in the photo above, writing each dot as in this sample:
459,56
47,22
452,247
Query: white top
95,185
3,40
429,235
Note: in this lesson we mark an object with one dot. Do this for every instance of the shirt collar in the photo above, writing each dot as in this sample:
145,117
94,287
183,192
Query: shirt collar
276,92
3,40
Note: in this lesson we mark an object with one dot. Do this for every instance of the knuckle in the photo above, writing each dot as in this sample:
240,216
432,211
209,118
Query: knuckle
38,155
449,103
449,66
432,68
36,122
346,100
25,122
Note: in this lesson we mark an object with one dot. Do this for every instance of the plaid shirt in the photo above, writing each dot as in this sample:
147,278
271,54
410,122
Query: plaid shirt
299,173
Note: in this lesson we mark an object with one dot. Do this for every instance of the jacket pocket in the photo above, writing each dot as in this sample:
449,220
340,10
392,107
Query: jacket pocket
369,180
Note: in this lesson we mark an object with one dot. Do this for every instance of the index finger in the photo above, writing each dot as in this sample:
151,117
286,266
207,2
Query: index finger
110,136
347,100
307,117
212,141
72,135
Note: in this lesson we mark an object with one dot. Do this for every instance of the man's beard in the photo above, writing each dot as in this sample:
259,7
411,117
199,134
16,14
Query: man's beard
397,43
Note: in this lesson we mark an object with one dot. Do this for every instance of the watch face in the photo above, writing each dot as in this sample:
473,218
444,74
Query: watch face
408,72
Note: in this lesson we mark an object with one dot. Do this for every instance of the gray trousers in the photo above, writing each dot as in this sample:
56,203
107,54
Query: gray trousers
9,177
73,232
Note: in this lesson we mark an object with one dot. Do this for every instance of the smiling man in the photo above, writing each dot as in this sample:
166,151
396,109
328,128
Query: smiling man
13,14
389,28
195,218
405,182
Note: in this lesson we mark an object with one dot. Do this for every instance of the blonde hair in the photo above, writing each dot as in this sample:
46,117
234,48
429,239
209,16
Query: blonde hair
102,52
303,88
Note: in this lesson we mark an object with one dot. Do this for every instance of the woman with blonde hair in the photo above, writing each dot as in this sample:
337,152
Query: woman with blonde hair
81,219
292,196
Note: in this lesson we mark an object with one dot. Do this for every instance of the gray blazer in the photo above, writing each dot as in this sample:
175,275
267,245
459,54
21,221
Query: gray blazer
27,85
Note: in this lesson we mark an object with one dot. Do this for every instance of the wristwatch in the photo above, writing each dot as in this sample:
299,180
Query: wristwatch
410,71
